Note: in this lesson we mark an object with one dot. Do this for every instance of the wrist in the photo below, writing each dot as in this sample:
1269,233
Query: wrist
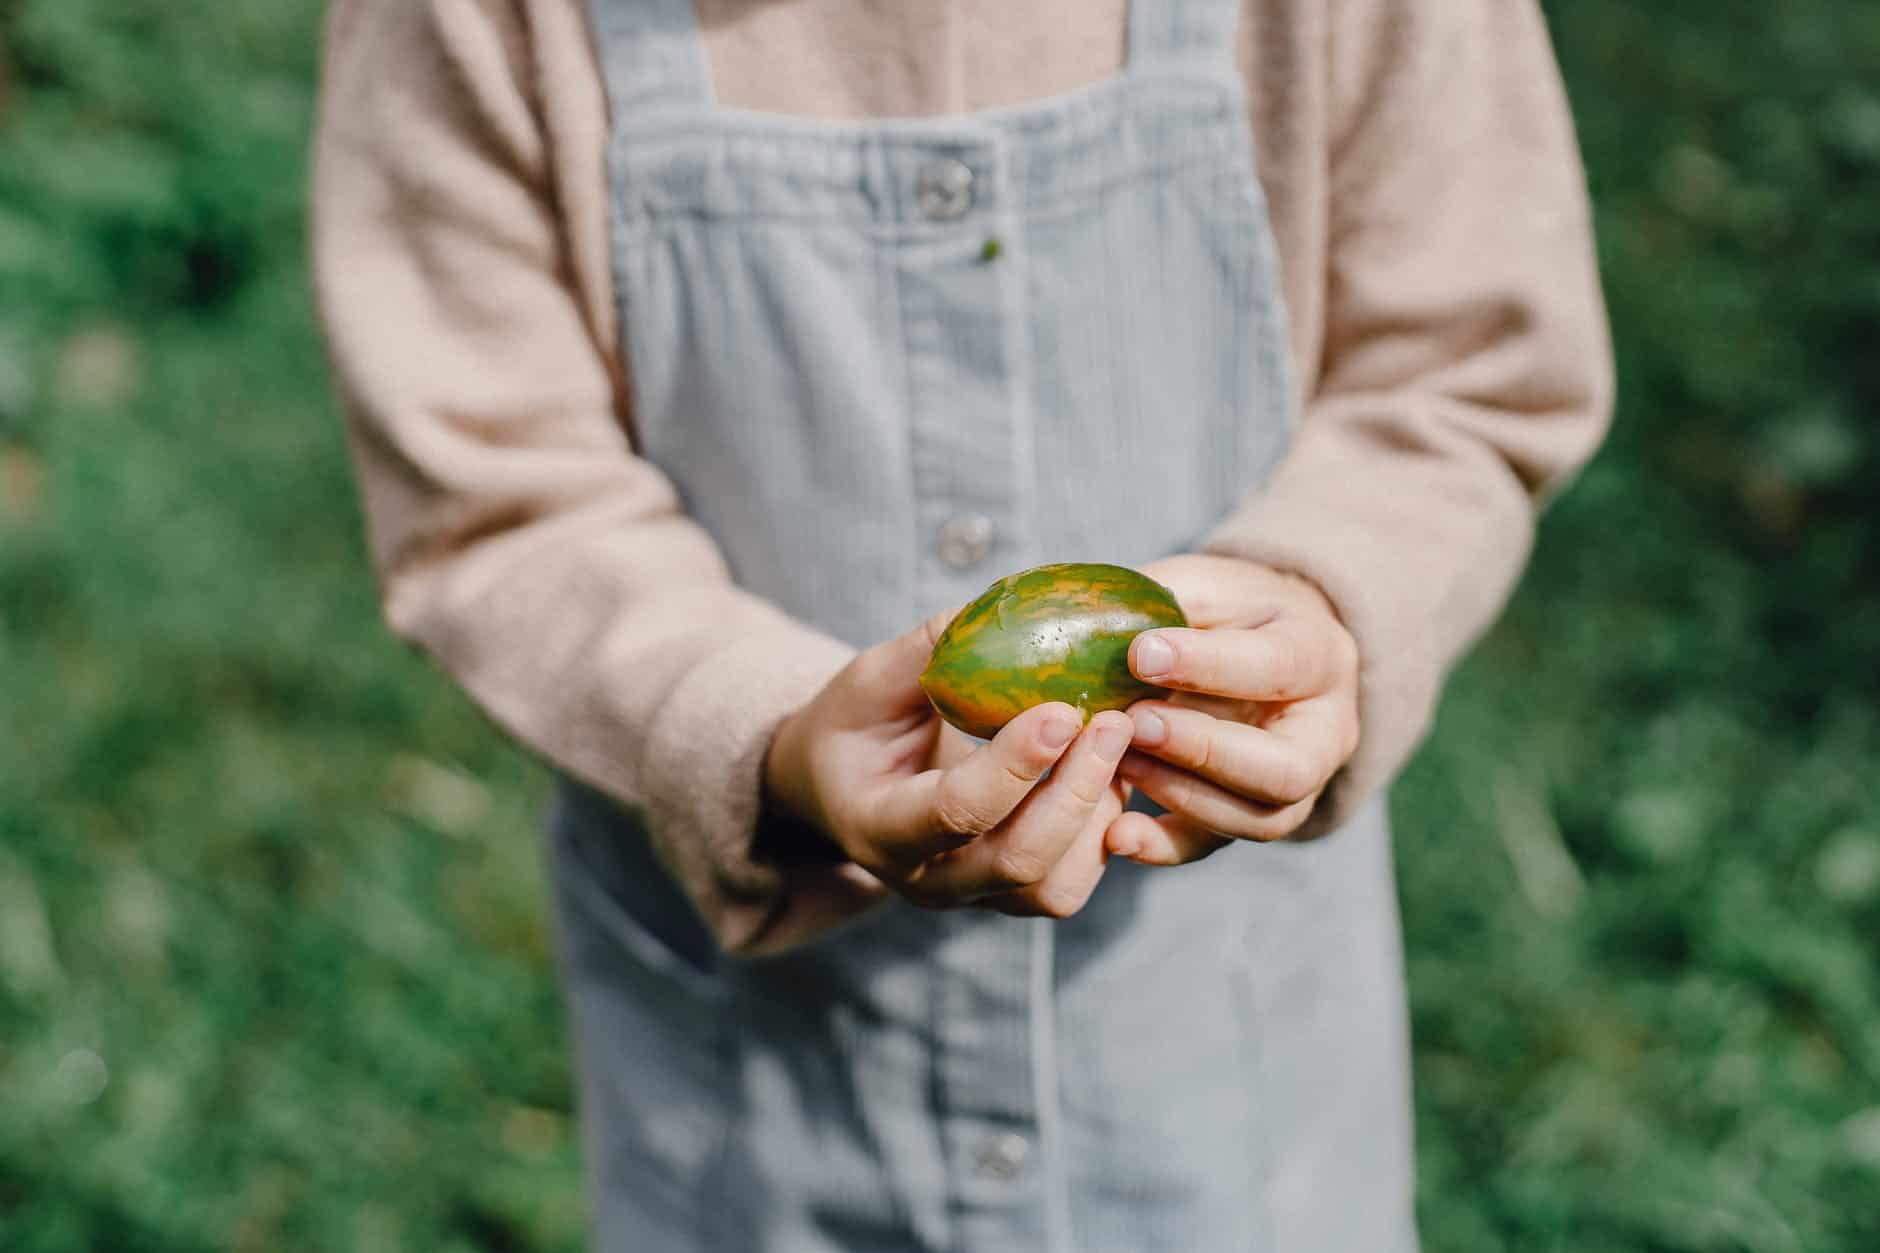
789,827
783,777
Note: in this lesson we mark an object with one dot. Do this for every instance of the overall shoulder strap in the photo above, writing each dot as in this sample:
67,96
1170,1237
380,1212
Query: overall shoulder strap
652,56
1186,33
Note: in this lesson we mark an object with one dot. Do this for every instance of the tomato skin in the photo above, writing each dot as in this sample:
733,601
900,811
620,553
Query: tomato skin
1053,633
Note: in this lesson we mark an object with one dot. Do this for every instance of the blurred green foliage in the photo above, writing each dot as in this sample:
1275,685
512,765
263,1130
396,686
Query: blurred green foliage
273,970
273,967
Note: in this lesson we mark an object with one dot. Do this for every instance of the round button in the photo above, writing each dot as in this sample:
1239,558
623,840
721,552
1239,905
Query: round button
1002,1157
965,540
945,189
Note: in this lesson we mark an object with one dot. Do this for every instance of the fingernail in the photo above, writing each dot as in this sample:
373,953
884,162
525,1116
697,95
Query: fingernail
1058,731
1154,657
1150,729
1111,740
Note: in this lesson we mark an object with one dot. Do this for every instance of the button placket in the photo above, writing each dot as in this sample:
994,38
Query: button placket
968,454
984,1087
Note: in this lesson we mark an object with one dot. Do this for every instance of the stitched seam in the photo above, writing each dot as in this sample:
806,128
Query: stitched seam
1044,1069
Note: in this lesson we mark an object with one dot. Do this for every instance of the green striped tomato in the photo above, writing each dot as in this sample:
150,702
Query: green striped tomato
1054,633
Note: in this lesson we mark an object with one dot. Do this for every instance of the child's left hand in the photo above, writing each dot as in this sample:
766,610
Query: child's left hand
1264,710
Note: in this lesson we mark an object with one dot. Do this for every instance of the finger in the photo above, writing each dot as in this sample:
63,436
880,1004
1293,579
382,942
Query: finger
1322,725
1069,886
1023,853
1209,804
1207,599
1168,840
1222,706
1290,658
938,810
886,677
1259,764
1230,591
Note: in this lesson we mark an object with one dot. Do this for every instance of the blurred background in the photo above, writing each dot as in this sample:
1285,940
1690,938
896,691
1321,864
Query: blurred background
273,964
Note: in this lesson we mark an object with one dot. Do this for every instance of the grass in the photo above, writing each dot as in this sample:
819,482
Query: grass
273,967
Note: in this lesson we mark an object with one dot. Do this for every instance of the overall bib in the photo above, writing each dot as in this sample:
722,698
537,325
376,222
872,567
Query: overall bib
885,363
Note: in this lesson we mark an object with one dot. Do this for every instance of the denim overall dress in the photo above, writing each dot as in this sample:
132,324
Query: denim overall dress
885,363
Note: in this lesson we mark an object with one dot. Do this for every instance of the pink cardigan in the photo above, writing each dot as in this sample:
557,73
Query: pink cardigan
1448,330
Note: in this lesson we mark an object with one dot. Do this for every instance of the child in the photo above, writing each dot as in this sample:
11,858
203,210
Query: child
698,361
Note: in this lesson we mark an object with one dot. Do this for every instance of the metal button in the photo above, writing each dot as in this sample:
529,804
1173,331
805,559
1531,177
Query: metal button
1002,1157
945,189
965,540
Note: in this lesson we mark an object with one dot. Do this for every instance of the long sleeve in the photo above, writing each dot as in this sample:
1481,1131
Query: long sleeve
516,536
1466,369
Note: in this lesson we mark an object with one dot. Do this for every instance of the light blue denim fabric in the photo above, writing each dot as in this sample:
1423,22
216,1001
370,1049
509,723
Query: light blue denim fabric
876,413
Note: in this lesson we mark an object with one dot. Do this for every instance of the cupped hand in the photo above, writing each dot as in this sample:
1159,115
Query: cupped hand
1263,710
940,820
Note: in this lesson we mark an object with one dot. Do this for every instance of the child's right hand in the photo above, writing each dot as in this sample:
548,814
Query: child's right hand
942,822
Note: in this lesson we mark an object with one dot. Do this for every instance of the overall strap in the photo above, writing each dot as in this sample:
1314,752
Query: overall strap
1182,33
652,56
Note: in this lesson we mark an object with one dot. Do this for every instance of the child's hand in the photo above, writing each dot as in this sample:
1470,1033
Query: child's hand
941,821
1264,713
